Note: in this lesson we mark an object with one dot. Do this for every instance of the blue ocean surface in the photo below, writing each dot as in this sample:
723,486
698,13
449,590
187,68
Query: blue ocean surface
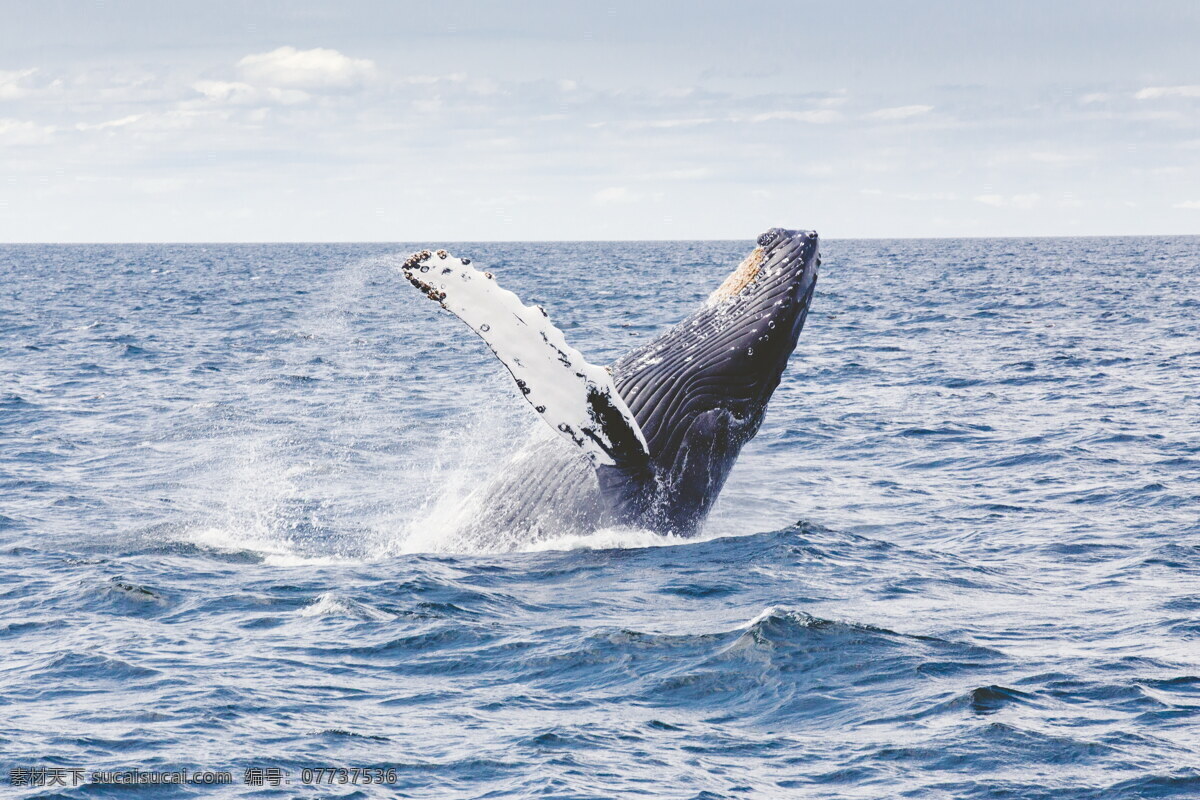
960,560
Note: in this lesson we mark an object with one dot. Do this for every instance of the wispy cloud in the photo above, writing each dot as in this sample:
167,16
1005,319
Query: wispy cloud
666,123
899,112
15,131
1190,204
1155,92
817,117
16,84
131,119
13,83
243,94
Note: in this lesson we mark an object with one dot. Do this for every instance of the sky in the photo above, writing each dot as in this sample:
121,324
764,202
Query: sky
378,120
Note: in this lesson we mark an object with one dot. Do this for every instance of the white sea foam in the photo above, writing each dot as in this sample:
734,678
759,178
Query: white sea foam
330,604
276,551
607,539
324,492
767,613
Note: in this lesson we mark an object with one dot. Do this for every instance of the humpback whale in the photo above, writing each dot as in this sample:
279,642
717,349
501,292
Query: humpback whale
648,441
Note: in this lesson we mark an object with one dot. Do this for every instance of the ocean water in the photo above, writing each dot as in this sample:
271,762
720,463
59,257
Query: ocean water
961,559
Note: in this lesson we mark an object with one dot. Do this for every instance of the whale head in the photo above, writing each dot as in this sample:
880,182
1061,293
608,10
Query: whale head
699,391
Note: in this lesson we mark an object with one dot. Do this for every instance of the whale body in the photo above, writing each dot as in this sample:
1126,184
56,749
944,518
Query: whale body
651,438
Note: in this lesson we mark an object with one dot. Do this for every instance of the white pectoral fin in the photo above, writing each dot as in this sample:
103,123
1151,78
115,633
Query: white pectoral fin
576,398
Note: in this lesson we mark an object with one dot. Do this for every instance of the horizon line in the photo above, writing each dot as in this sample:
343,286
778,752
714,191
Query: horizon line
592,241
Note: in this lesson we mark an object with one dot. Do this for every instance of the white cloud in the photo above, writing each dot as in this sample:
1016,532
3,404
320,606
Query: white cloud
819,117
13,125
234,92
13,83
899,112
237,93
1156,92
666,123
1189,204
319,68
172,121
112,123
15,131
1094,97
429,80
1021,201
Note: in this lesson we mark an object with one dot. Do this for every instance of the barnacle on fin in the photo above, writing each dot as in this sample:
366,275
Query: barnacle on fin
415,259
